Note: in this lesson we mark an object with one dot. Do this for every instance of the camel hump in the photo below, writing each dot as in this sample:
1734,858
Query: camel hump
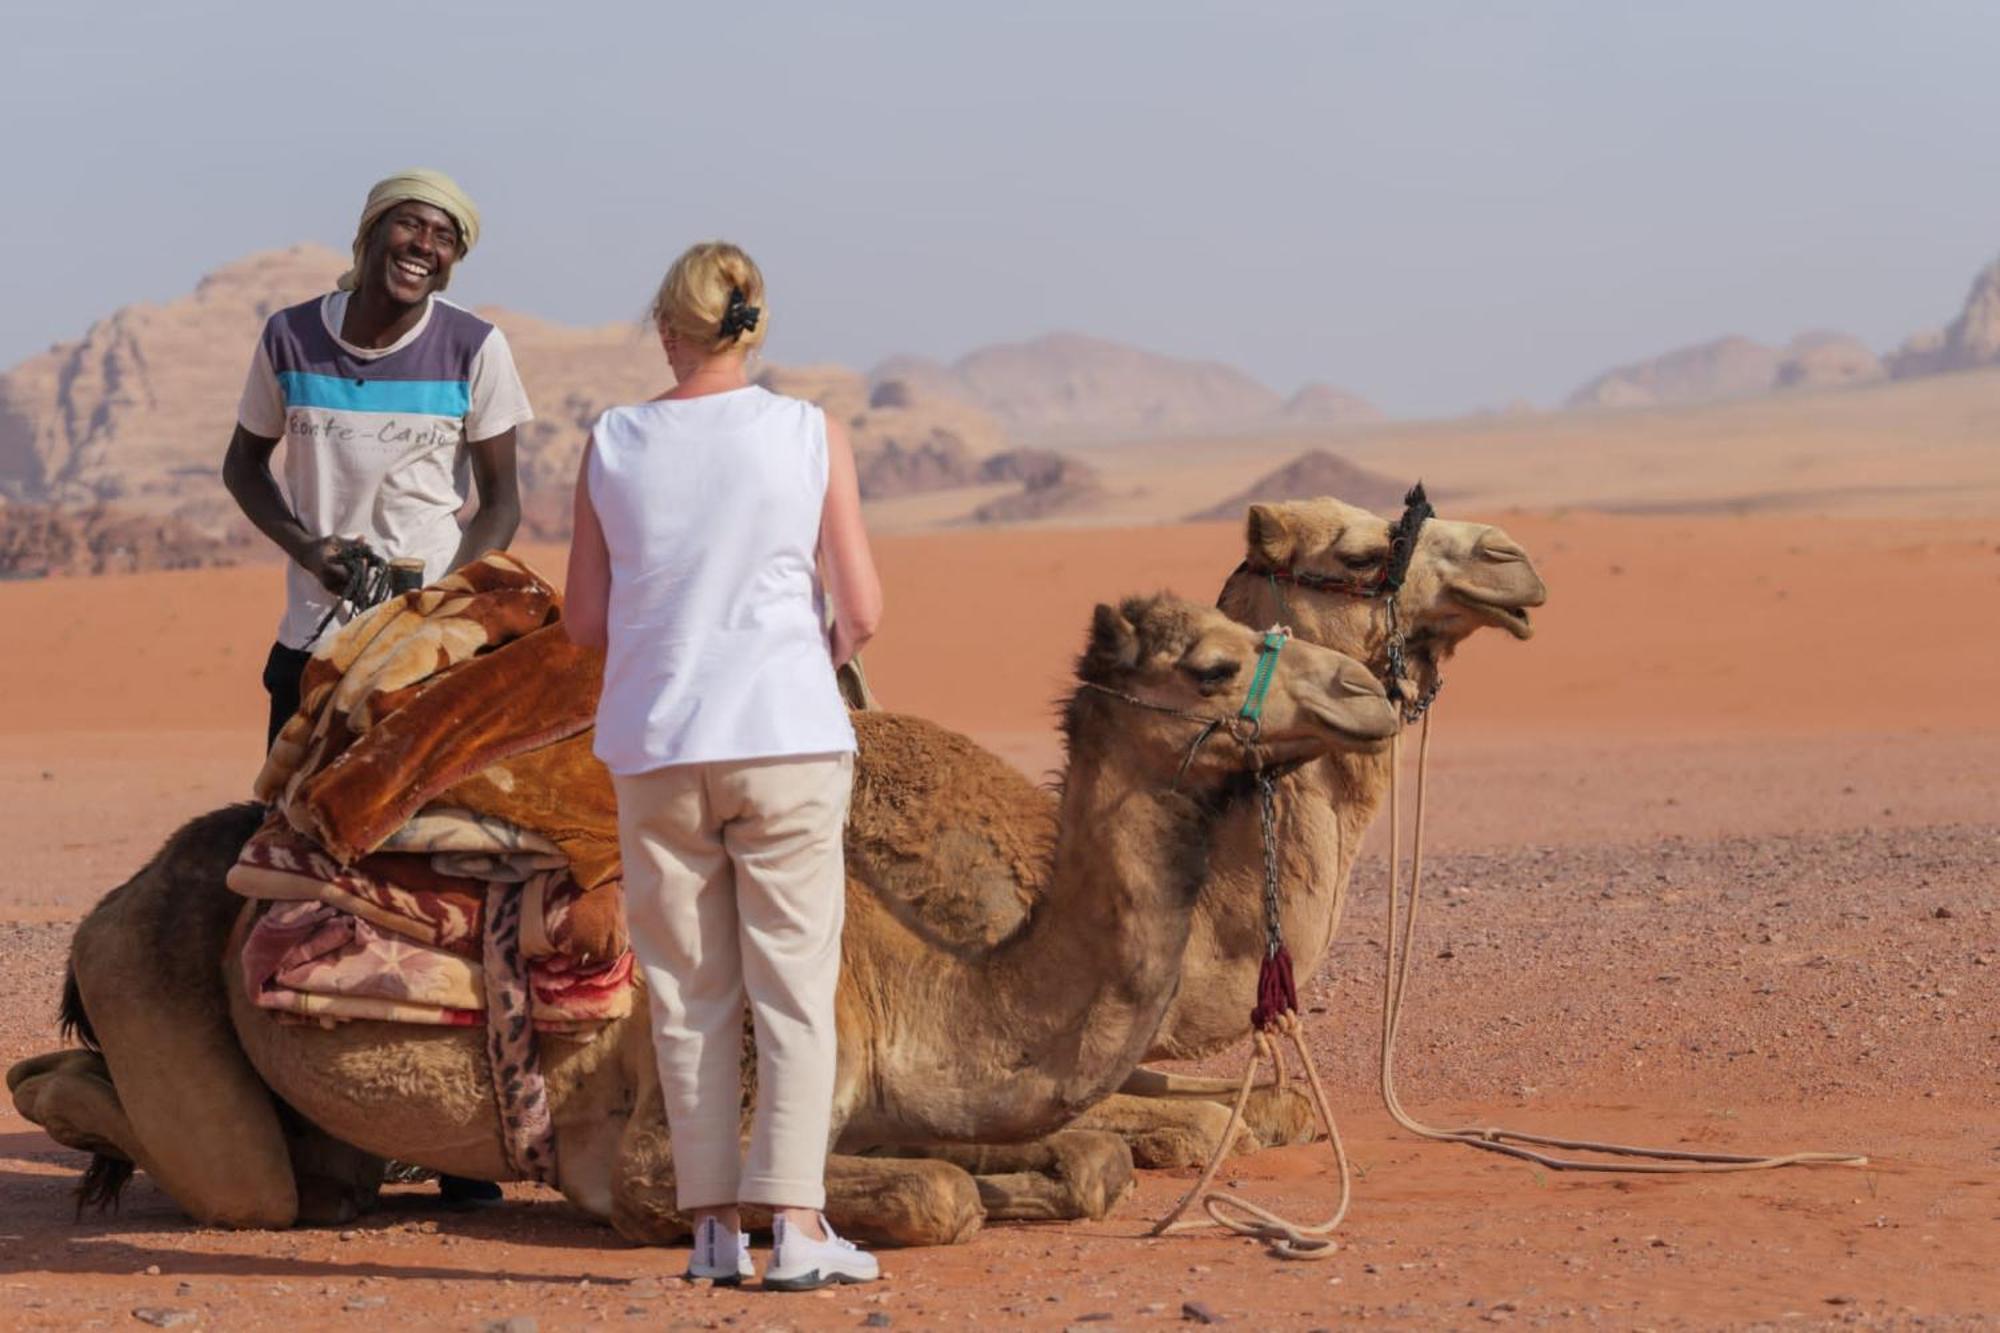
952,839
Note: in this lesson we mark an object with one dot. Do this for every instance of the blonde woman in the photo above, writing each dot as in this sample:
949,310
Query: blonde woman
711,524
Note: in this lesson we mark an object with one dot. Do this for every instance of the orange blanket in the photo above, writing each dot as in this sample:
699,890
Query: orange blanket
466,693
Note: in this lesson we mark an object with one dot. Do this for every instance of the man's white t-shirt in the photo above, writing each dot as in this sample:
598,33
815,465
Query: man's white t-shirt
375,438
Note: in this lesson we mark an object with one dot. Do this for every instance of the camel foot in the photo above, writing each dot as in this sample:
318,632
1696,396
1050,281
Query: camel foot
1166,1133
901,1201
69,1094
1076,1173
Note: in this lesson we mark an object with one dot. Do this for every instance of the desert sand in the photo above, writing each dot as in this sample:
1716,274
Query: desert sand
1713,865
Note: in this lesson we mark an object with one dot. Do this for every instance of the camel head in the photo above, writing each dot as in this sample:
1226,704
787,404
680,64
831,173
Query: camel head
1157,668
1462,577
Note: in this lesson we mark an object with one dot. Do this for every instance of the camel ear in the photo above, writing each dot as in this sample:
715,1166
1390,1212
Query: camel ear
1268,538
1114,643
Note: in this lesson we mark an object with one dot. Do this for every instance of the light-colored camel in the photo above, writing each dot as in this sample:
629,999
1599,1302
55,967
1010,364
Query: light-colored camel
952,862
981,1045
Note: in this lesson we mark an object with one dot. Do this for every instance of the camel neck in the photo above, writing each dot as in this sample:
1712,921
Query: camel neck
1071,999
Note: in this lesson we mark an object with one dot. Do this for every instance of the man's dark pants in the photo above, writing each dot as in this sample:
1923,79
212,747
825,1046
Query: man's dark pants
282,672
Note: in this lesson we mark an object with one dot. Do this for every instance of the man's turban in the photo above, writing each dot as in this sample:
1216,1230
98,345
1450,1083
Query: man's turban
423,187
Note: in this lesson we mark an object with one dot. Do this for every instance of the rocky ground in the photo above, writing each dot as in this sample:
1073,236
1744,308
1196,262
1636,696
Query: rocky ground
1835,991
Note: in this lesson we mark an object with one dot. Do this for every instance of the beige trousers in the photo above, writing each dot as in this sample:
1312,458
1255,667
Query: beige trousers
735,888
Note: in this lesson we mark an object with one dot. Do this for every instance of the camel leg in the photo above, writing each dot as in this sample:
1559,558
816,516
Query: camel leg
1164,1132
69,1094
337,1182
1070,1174
1277,1115
147,966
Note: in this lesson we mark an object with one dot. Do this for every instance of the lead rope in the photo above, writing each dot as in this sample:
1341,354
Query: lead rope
1277,1012
1292,1240
1493,1138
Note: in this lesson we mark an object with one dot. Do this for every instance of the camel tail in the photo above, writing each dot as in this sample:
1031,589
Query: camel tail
103,1183
73,1021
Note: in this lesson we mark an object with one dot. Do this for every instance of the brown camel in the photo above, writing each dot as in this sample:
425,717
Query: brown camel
951,854
980,1045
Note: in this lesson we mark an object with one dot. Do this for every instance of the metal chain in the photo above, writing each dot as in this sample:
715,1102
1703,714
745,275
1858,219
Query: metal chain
1274,938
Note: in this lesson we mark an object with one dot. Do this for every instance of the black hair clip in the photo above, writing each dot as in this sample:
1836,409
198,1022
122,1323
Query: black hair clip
739,318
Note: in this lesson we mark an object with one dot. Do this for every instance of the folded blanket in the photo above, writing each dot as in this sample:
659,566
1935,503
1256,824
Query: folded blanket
405,895
315,961
467,694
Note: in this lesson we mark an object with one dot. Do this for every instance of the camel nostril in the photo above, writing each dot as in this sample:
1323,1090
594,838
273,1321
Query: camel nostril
1355,681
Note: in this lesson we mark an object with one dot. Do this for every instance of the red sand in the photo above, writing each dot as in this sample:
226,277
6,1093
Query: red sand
1693,680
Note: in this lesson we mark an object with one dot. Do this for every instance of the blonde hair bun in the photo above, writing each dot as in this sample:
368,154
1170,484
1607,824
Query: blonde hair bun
695,298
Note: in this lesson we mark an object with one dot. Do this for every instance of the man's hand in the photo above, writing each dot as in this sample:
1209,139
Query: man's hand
328,560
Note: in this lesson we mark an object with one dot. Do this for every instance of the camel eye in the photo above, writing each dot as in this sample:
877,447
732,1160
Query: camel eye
1368,560
1213,677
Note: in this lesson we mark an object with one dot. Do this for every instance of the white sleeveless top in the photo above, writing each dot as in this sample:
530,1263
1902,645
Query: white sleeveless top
717,647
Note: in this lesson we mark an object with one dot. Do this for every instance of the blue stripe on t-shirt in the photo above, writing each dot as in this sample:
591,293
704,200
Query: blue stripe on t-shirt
437,398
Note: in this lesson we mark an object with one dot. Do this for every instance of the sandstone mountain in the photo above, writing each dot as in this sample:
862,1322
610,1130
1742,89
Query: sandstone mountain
1320,404
1313,474
1973,339
1052,485
1725,368
1827,360
1732,367
1068,386
39,540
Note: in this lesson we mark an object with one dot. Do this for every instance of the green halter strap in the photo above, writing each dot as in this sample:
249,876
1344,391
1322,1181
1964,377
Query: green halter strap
1267,666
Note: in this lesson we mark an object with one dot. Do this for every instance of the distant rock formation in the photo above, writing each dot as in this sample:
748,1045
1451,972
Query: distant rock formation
1729,367
1069,384
906,438
1053,485
1827,360
1308,477
37,541
1973,339
1323,405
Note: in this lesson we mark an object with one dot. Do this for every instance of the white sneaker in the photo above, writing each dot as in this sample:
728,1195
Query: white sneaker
720,1255
800,1263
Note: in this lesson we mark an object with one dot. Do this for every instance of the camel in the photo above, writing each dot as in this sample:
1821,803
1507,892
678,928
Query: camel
952,861
949,1053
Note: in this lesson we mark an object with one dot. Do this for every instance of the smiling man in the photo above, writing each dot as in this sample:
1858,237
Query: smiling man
386,397
389,399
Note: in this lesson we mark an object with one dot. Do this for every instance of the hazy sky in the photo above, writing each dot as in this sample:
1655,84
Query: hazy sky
1439,206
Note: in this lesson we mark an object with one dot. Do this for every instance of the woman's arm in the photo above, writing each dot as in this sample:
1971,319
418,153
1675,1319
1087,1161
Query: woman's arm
848,564
587,587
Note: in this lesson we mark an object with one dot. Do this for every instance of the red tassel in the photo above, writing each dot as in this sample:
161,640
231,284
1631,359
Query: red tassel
1277,994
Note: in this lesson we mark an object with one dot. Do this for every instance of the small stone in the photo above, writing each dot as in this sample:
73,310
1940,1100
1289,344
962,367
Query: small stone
1094,1317
349,1235
160,1317
643,1288
1195,1312
1840,1300
877,1320
151,1270
519,1323
184,1289
1943,913
367,1303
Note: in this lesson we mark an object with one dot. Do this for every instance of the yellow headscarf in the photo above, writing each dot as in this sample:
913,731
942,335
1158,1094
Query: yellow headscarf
425,187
